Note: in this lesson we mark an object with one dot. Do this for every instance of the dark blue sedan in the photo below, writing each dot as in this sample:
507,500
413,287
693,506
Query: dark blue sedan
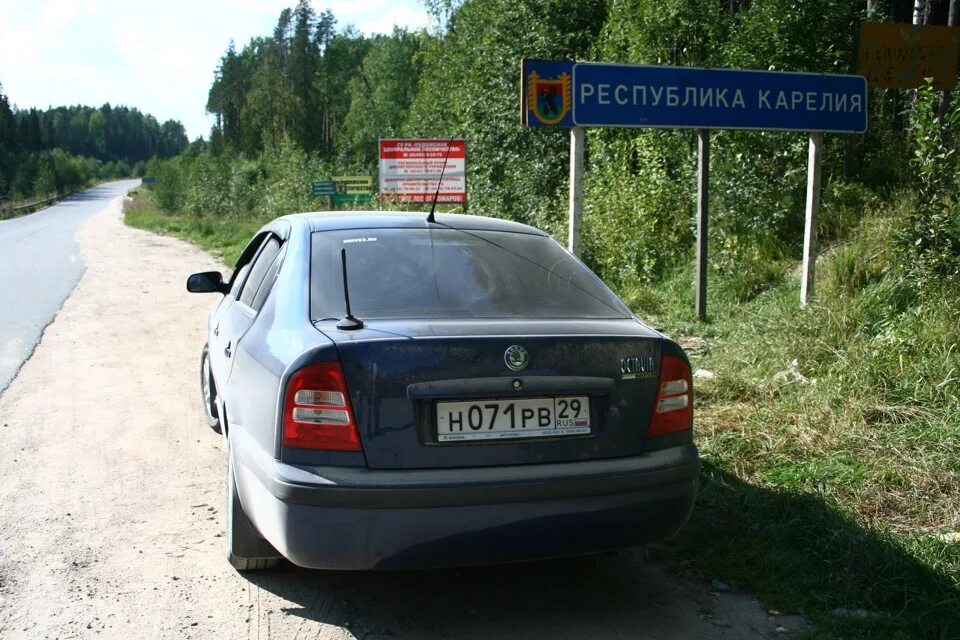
398,392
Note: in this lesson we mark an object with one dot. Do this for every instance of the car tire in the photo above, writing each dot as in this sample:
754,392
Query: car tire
246,550
208,391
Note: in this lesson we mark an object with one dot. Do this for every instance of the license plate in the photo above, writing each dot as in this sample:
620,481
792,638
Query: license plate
521,418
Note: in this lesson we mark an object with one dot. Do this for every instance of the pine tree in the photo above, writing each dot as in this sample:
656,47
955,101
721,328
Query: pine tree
8,129
304,62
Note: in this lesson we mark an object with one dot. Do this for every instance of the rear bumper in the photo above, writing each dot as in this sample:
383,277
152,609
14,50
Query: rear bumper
355,518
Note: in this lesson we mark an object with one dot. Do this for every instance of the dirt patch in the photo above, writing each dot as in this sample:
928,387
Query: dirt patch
693,345
111,486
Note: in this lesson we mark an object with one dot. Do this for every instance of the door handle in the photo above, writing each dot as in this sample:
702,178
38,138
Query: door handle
226,350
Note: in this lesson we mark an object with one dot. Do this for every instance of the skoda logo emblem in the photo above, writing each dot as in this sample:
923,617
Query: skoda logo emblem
516,358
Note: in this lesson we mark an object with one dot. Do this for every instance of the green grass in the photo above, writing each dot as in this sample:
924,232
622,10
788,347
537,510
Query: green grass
835,488
825,485
225,236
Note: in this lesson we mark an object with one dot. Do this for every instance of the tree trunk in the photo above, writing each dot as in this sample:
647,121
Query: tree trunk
953,20
920,15
919,11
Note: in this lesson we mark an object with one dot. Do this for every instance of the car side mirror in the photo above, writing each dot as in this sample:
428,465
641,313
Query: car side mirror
207,282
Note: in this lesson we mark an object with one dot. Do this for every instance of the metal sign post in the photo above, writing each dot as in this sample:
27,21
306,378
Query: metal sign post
810,224
576,190
703,205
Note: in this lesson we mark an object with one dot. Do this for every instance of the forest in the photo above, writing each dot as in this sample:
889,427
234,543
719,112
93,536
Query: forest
830,433
48,151
311,100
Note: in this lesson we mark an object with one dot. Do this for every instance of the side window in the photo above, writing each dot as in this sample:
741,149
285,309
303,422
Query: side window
243,264
238,277
267,282
258,272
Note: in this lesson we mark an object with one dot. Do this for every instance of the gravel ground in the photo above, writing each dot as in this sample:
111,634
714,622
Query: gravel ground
111,490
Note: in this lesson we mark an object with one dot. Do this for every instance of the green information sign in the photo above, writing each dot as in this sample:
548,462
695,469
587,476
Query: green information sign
323,188
352,198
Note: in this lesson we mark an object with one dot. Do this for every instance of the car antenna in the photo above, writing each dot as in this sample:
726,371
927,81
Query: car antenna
347,322
436,195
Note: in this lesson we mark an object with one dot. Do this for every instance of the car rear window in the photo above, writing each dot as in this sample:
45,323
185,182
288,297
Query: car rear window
448,273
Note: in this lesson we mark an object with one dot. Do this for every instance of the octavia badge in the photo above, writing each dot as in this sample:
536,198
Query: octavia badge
516,358
636,367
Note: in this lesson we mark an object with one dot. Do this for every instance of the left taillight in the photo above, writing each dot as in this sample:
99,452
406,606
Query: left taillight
317,412
673,410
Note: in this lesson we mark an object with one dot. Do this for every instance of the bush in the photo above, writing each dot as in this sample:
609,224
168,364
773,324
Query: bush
169,187
842,206
45,183
929,243
234,186
637,222
288,173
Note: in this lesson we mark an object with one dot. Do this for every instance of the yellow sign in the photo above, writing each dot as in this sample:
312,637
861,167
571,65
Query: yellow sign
354,185
902,56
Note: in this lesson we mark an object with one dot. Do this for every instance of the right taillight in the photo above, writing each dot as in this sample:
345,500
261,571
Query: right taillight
673,409
317,412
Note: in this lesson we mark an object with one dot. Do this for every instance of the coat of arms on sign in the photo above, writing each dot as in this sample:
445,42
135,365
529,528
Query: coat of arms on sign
548,99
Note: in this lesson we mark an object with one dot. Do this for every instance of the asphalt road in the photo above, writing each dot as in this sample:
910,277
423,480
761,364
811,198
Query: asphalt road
40,264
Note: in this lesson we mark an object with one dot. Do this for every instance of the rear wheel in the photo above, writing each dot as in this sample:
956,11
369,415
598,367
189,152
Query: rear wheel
208,390
246,550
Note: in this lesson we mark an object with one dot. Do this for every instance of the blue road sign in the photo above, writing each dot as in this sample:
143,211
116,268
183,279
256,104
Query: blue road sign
613,95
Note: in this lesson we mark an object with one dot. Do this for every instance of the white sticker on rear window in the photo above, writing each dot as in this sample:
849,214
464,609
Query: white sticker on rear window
352,240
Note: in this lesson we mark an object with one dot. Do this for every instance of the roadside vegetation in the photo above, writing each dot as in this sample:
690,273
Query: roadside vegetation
44,153
830,434
224,236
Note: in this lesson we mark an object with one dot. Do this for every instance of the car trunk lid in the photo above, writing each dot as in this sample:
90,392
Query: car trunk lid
398,371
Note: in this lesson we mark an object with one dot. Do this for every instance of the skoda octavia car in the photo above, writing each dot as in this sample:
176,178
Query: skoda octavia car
402,391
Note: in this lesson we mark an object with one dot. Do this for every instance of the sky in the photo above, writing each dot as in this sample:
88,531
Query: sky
158,57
